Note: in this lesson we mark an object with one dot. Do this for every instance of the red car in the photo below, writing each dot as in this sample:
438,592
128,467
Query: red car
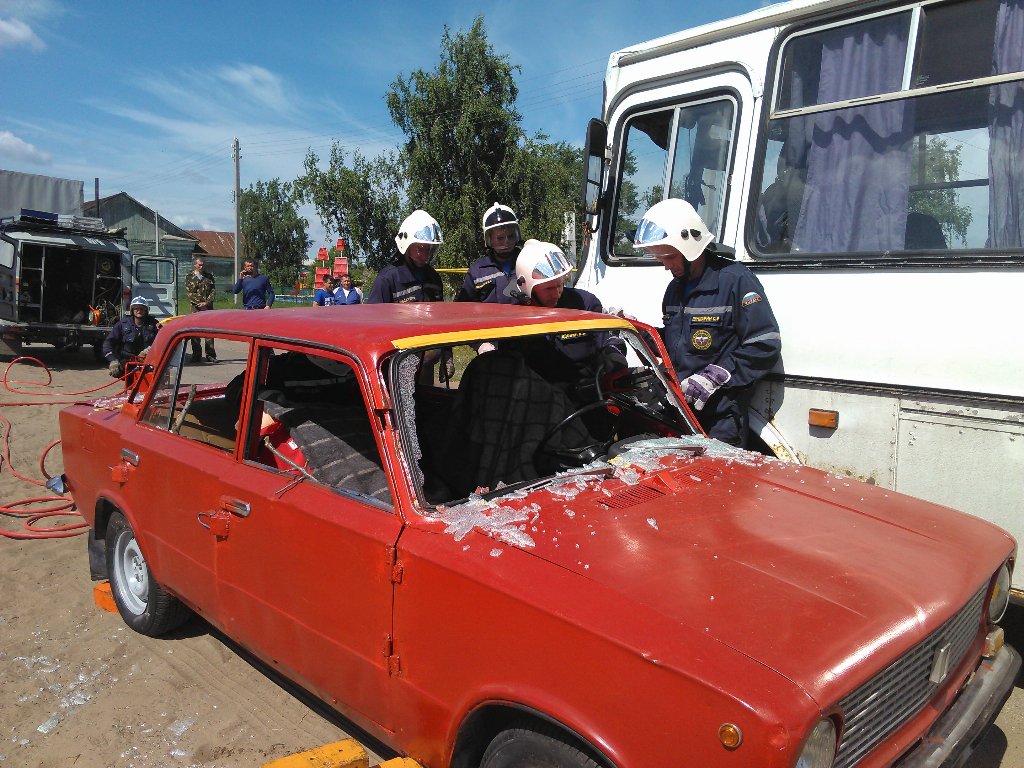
496,536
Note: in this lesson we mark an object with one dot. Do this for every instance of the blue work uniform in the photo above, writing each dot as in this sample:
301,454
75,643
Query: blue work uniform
724,319
256,291
324,298
353,296
401,283
488,277
563,356
126,339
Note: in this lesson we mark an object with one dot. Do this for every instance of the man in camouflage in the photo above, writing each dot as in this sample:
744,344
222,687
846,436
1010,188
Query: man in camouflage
200,289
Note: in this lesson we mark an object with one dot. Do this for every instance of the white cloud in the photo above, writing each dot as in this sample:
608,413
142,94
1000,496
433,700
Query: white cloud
17,149
14,32
259,84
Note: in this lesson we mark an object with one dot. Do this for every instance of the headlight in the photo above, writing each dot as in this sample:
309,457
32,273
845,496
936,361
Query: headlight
999,597
820,749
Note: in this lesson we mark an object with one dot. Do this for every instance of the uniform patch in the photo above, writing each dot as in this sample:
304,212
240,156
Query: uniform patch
701,339
751,297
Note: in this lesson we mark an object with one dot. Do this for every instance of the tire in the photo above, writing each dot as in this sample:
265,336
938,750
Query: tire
533,748
141,601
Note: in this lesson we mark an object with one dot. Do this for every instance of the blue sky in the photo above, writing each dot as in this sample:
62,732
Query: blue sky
149,95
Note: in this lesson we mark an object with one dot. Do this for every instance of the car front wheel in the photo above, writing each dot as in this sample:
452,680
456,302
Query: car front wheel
528,748
142,602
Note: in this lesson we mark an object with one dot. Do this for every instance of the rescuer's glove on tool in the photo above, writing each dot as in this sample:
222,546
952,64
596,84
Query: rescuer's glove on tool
116,369
700,386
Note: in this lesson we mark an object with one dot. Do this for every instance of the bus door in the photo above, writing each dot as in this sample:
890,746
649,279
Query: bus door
683,140
156,280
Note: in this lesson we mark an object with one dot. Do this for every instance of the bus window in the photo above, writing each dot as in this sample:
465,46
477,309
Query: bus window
686,149
928,159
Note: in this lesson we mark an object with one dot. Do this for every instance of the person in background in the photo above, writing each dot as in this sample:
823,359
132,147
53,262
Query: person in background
489,275
257,293
130,337
720,331
324,296
346,292
201,291
410,277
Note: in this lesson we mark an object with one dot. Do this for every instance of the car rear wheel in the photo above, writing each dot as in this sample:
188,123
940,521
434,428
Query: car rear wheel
142,602
529,748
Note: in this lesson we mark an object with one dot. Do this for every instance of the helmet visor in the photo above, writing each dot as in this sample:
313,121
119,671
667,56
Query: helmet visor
648,233
551,265
430,233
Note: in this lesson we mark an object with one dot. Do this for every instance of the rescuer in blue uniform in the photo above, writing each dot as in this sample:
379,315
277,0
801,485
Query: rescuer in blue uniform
130,337
720,331
488,276
411,278
541,270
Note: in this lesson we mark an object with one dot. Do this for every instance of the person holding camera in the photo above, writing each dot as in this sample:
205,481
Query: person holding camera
257,293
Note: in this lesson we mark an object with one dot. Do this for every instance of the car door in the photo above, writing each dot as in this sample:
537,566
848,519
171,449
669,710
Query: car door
156,280
305,569
176,455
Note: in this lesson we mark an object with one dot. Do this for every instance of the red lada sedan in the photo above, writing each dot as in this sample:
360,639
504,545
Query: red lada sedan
496,536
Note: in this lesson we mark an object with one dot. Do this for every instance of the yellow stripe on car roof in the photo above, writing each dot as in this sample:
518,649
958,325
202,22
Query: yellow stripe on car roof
529,329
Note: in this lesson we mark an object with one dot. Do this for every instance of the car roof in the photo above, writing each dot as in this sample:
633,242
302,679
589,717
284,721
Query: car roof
382,328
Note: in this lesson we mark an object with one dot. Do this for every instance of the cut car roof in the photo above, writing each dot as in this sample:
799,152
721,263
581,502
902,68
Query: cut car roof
385,327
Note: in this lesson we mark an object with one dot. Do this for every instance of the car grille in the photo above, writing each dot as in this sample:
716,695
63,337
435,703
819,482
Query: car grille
899,691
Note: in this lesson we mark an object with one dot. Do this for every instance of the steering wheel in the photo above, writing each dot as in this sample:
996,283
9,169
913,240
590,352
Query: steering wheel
566,458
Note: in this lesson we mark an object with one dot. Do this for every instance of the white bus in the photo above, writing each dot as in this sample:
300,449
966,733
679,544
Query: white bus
866,160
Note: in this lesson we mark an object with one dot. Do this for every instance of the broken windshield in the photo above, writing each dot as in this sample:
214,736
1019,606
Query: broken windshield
491,415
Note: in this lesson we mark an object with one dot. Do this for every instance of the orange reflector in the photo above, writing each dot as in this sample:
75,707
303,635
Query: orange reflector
819,418
730,735
103,598
993,642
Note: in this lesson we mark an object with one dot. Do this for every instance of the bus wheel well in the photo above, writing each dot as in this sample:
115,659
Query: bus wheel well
486,722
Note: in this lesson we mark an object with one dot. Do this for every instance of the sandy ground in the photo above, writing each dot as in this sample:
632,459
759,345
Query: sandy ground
77,688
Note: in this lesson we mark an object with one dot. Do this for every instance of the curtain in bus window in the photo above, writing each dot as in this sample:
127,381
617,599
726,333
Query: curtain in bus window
858,159
779,206
1006,132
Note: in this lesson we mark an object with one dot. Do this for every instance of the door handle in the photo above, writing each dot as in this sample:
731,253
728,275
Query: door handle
130,456
235,506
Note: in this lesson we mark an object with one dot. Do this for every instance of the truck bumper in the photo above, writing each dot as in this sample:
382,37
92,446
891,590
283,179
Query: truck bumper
954,736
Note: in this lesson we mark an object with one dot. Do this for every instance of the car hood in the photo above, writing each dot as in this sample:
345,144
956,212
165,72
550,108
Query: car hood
822,578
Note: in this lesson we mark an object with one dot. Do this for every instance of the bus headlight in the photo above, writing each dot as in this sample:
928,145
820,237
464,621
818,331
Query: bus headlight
820,749
999,596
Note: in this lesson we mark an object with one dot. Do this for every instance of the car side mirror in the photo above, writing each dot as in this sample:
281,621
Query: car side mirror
593,167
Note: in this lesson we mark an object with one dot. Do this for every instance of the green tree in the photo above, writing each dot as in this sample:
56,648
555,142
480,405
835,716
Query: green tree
543,182
939,163
357,198
273,232
461,129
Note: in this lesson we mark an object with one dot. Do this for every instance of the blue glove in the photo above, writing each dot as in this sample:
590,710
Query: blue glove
700,386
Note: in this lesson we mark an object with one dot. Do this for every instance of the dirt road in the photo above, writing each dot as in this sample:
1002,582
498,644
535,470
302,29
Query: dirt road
77,688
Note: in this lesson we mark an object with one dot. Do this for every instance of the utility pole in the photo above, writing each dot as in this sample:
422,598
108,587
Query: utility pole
238,233
156,234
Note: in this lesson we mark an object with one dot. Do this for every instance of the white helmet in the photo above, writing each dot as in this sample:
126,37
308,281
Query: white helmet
499,215
418,227
674,222
139,301
540,263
